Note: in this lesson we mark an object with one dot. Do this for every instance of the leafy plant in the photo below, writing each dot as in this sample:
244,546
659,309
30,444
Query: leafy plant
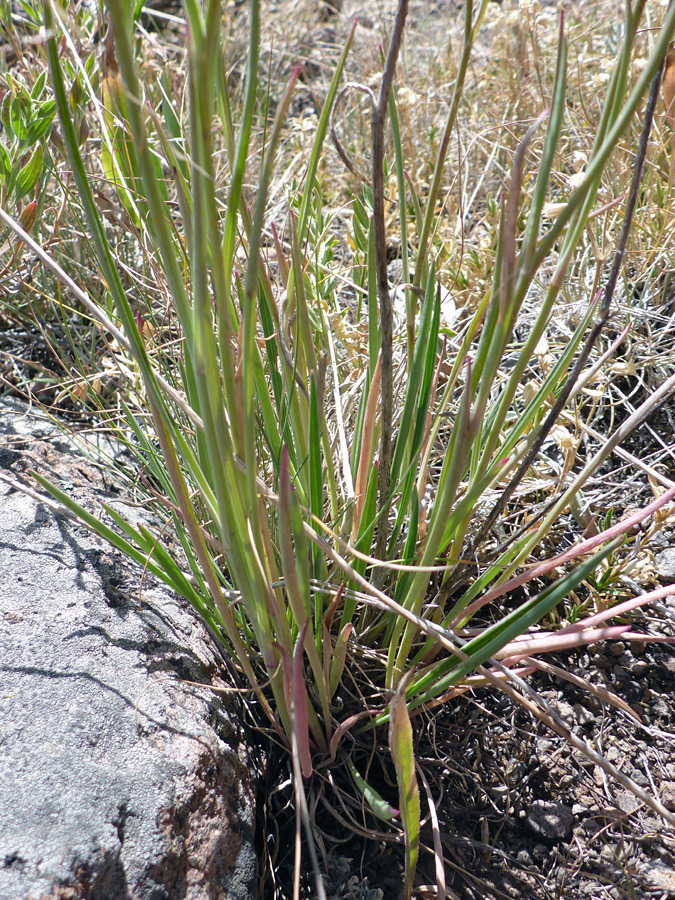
26,117
302,538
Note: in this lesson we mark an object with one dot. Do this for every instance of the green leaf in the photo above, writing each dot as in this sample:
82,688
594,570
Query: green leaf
419,382
40,126
28,176
17,117
401,746
5,164
76,94
90,63
39,86
379,806
47,109
315,467
5,116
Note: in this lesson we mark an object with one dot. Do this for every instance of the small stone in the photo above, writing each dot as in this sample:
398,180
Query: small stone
626,801
613,754
549,819
639,667
661,709
563,708
540,852
660,875
665,565
628,687
584,716
668,794
601,661
524,858
581,759
616,649
640,778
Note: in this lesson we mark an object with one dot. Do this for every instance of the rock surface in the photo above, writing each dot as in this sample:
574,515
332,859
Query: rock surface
665,565
118,780
550,820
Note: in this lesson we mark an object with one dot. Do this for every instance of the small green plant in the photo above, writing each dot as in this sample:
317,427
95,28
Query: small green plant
26,116
290,438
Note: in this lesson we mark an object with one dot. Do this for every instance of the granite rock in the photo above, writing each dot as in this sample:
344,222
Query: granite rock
118,778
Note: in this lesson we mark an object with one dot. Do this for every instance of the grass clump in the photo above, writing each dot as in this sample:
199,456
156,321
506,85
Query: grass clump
352,473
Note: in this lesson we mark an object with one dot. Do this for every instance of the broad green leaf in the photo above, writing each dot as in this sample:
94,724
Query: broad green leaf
40,126
5,164
39,86
29,175
5,114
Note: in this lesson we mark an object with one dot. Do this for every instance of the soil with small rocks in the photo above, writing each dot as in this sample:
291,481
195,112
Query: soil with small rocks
521,813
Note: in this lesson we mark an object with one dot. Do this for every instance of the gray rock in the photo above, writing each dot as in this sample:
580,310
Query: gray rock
662,708
667,792
118,780
563,708
659,875
665,565
550,820
583,715
626,801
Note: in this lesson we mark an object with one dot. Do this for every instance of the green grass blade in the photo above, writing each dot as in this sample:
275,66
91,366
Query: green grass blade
401,746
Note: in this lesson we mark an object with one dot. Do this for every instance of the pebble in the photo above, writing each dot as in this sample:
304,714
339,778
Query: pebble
549,819
581,759
584,716
540,852
613,754
626,801
564,709
667,793
661,708
640,778
665,565
660,875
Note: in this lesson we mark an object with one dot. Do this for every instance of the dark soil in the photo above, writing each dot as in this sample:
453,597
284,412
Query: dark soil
521,814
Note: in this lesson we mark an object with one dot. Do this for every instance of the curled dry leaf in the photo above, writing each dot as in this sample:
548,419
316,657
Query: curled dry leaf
529,392
562,437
